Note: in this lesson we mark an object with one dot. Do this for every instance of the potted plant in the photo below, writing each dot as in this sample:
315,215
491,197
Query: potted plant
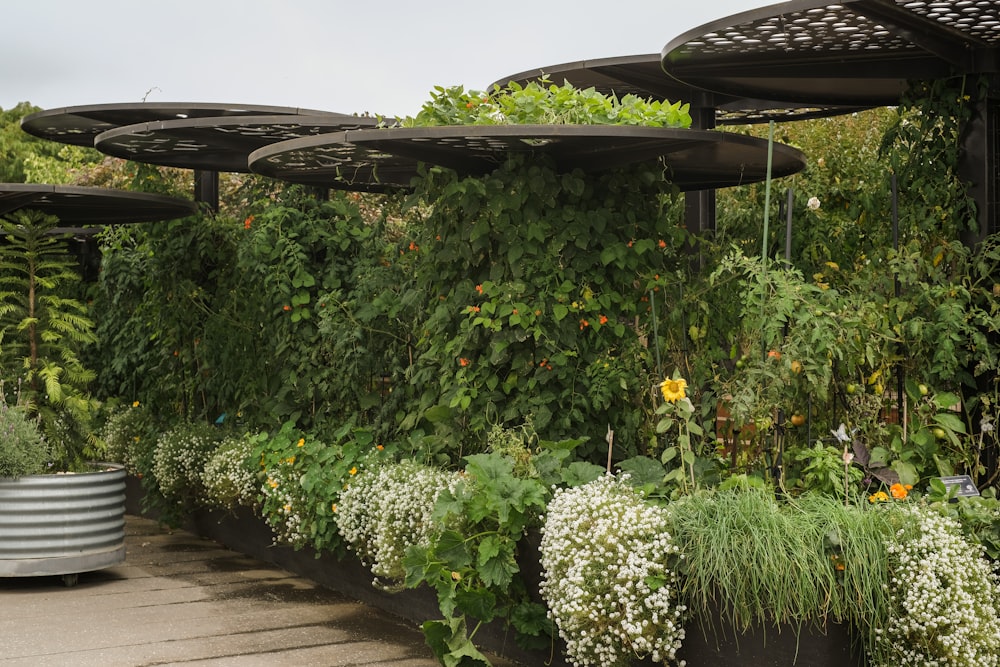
60,513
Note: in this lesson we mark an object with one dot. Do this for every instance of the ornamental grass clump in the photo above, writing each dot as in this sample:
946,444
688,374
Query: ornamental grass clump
802,562
944,595
609,577
387,509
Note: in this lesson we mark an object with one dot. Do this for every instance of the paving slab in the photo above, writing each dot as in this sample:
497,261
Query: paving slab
183,600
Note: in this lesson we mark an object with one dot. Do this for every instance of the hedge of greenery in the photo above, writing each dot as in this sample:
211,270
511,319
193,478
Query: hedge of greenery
533,328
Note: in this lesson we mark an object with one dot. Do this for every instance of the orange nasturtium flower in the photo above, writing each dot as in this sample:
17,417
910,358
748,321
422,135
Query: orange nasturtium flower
673,390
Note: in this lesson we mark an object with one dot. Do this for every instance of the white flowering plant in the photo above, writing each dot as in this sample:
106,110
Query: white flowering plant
230,478
387,509
609,575
179,459
129,435
944,597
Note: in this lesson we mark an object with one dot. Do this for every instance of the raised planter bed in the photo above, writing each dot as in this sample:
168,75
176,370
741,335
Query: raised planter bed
62,524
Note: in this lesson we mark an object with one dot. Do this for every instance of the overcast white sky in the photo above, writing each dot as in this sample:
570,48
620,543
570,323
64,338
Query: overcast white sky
364,56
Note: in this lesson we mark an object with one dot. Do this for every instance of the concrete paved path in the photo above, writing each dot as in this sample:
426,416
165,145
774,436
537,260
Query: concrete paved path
180,599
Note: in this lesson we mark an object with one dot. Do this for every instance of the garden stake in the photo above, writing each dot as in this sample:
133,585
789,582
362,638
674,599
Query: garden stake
610,437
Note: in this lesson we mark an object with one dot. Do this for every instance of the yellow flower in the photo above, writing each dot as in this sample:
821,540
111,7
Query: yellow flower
354,470
290,459
333,507
272,483
879,497
301,442
673,390
288,508
135,404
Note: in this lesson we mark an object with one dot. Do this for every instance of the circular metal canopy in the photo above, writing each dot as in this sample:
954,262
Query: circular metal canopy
75,205
216,143
643,76
854,52
79,125
388,158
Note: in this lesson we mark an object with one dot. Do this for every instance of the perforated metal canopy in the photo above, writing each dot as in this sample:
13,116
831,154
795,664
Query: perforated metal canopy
643,76
91,206
387,158
216,143
79,125
854,52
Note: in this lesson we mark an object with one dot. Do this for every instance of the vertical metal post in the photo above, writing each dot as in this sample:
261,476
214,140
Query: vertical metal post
206,188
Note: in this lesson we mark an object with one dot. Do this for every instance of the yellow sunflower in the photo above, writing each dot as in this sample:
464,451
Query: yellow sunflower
673,390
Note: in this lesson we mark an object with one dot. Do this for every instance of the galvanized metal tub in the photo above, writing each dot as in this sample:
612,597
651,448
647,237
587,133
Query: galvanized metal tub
62,524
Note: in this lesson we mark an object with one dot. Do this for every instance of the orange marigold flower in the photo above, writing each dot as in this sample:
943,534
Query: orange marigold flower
662,243
479,288
380,447
583,324
414,246
286,308
603,319
898,491
463,361
247,222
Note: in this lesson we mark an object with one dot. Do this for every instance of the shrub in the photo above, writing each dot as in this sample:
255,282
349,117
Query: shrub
386,510
180,458
945,596
229,478
23,450
609,578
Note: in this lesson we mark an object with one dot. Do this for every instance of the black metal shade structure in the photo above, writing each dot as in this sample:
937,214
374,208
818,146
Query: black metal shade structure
643,76
861,52
216,143
79,125
388,158
852,52
81,206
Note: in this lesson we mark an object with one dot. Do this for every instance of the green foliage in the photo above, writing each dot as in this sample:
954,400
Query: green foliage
23,449
473,565
302,476
539,104
535,287
43,332
801,561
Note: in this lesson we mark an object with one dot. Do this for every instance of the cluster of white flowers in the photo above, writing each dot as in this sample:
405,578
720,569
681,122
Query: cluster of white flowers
285,495
944,596
123,435
180,457
608,583
387,509
229,476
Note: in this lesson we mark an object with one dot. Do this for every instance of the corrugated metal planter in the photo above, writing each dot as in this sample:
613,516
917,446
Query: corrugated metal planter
62,524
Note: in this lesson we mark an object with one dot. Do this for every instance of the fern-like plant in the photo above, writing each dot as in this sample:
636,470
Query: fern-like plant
43,330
